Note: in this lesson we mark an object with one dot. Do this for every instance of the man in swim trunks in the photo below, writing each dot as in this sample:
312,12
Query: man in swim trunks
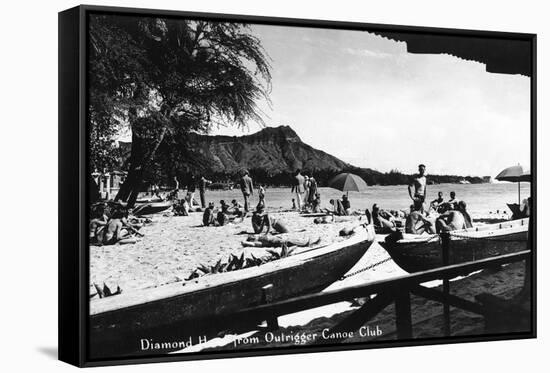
418,182
454,219
298,188
208,215
247,188
261,220
416,222
453,201
97,223
438,201
114,231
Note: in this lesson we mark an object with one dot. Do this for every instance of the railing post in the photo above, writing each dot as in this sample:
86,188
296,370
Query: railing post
445,247
403,317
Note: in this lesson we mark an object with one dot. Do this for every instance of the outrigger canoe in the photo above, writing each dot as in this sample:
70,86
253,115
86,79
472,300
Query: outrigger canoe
194,308
414,253
152,208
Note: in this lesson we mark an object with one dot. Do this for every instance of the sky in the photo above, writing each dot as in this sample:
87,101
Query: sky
365,100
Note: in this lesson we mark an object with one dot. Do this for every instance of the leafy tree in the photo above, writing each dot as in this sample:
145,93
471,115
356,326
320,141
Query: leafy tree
160,77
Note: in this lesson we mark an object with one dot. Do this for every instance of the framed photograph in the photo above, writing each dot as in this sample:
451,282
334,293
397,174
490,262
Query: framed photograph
235,185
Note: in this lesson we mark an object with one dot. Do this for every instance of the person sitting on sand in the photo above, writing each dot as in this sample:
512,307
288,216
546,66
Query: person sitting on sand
338,208
271,241
346,204
524,210
181,207
115,232
236,208
316,204
208,215
383,221
438,201
454,219
453,201
222,218
294,204
261,220
416,222
97,223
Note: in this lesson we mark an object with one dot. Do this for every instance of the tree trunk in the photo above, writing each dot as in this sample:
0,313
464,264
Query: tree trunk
139,162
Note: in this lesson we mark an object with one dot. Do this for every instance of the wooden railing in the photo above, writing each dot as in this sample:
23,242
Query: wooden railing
397,290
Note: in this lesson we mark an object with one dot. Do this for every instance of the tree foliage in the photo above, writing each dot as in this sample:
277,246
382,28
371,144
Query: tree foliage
160,77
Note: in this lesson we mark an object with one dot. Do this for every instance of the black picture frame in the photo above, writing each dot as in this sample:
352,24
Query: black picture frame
73,184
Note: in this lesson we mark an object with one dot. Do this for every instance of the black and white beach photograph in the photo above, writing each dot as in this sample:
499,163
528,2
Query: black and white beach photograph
274,186
255,187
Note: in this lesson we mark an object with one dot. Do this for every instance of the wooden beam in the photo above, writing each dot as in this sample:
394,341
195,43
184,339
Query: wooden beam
450,299
403,318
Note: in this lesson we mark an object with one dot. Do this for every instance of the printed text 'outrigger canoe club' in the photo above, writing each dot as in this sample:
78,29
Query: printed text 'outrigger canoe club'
296,338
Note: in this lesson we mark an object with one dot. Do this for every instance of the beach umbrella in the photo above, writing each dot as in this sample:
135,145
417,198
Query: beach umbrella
347,182
515,174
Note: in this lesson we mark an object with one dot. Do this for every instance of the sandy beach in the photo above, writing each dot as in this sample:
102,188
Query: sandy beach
172,247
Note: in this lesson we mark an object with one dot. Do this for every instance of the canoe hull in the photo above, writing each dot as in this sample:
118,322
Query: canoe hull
152,208
420,256
119,331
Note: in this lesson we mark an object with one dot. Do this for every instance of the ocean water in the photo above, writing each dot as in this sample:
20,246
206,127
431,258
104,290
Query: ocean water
481,199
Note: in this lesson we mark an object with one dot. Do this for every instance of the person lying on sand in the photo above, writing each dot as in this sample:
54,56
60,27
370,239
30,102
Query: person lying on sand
417,222
329,219
261,220
270,241
454,219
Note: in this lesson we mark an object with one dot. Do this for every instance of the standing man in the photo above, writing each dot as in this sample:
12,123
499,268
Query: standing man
202,190
298,188
419,184
247,187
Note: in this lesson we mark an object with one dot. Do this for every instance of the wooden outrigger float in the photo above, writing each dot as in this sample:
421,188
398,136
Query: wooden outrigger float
415,253
197,307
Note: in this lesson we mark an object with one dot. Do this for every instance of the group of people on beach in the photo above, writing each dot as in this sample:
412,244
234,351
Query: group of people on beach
440,216
111,224
305,189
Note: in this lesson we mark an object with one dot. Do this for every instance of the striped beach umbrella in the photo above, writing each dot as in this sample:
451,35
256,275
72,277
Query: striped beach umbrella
347,182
